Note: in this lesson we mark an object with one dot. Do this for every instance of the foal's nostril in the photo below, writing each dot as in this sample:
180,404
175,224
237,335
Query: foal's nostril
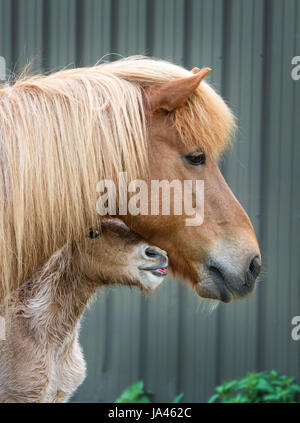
150,252
254,267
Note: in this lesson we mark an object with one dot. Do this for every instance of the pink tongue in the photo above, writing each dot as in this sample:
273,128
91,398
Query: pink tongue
164,271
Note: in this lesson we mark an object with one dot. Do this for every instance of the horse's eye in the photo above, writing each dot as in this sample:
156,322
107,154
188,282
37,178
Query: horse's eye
93,234
196,159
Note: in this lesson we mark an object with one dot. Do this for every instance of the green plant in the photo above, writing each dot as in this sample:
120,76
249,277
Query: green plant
136,393
258,387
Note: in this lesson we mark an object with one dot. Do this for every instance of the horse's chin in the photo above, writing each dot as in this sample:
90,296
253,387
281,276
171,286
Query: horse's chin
214,289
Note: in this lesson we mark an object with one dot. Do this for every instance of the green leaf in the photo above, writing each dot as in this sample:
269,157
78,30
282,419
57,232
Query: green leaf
178,398
273,374
135,393
144,399
213,398
229,386
263,385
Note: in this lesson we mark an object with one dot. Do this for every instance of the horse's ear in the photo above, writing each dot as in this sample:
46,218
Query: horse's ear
171,95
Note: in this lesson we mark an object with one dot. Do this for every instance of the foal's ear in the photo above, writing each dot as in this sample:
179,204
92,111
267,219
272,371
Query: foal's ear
171,95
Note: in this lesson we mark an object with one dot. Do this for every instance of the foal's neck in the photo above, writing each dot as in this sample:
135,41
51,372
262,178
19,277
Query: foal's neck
54,298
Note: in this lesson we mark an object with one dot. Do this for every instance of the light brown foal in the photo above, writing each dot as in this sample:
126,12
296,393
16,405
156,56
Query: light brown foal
41,359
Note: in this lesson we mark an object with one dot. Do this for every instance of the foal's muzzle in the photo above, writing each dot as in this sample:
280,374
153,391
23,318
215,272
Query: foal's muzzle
157,261
224,283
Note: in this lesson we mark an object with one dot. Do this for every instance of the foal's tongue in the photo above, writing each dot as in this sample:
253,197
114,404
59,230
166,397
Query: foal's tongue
163,271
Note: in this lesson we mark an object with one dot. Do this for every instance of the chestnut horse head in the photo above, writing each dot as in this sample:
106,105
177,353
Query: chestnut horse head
189,126
63,133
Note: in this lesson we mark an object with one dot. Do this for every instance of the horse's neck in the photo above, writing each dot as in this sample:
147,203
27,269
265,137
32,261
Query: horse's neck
54,298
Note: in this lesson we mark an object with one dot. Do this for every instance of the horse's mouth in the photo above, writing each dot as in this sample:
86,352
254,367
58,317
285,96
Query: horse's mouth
214,288
157,271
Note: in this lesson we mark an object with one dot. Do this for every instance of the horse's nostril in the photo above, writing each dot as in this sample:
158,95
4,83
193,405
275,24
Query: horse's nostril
151,252
230,282
254,267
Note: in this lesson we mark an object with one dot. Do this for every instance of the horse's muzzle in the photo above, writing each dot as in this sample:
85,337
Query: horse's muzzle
223,283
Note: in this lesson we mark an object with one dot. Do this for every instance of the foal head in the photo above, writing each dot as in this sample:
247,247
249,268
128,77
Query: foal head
113,254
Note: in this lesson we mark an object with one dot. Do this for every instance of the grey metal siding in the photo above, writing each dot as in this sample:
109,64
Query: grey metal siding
164,339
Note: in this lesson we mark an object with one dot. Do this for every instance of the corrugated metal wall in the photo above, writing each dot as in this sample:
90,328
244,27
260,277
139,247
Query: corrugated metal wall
249,44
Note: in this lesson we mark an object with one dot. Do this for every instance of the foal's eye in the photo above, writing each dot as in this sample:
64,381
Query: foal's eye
196,159
93,234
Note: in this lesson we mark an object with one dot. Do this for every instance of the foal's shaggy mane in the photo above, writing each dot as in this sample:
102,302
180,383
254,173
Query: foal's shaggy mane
60,134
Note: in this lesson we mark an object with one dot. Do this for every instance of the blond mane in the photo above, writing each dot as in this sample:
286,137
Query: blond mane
62,133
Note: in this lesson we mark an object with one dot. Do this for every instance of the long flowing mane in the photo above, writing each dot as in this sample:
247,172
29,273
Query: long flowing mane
62,133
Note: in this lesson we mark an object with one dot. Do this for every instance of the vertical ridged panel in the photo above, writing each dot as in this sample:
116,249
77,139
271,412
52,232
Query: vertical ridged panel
94,29
5,33
242,89
281,230
59,33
